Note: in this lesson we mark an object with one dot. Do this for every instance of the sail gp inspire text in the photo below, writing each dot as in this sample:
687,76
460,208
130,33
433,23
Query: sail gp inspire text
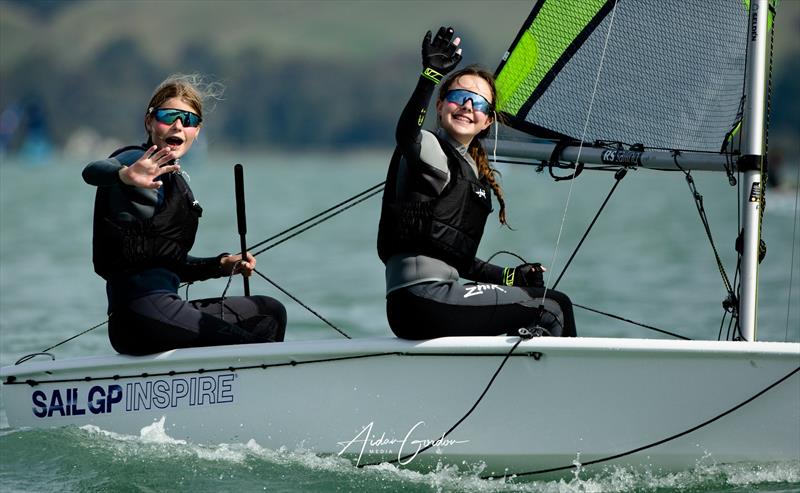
135,396
408,449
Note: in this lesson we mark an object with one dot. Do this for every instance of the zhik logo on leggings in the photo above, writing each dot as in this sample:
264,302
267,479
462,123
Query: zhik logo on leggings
481,288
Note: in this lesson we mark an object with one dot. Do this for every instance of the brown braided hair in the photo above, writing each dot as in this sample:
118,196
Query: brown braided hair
475,148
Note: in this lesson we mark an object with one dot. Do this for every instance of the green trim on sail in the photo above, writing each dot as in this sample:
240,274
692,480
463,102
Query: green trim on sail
771,16
555,27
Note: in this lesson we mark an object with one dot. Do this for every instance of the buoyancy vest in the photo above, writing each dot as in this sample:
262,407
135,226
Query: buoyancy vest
448,226
123,244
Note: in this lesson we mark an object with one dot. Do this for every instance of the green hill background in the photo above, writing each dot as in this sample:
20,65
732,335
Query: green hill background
299,74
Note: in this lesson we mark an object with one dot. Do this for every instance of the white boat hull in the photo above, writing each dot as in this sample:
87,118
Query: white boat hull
555,402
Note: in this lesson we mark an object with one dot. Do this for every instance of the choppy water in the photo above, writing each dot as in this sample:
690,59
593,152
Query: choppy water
647,260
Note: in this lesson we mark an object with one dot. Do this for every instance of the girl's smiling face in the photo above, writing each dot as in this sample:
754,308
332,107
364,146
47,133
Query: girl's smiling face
178,137
461,121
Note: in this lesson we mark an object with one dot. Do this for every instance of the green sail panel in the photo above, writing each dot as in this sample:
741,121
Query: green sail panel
664,74
527,63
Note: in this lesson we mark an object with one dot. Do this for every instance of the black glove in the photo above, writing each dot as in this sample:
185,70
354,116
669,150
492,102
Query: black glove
439,56
525,275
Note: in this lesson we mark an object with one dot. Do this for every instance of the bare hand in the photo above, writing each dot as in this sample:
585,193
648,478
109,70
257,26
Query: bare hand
151,165
232,264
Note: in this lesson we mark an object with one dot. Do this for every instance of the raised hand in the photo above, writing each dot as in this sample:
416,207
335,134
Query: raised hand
441,54
146,169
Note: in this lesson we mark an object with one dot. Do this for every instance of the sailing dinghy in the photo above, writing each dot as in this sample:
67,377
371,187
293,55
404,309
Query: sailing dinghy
617,84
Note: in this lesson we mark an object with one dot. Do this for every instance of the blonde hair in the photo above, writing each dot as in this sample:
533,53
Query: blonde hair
191,88
475,149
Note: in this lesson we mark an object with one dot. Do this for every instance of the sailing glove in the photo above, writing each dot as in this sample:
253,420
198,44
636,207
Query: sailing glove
525,275
440,55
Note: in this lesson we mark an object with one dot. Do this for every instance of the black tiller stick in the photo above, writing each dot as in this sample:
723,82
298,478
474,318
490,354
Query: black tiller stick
241,219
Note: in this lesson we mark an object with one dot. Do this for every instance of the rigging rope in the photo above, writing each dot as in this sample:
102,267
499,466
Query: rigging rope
640,324
580,149
302,304
46,351
314,221
656,443
731,303
341,206
619,175
444,435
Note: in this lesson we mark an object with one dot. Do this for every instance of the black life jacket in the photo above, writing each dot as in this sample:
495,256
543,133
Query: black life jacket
164,240
448,227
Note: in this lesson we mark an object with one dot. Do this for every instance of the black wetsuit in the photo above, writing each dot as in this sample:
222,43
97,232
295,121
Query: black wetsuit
424,296
143,271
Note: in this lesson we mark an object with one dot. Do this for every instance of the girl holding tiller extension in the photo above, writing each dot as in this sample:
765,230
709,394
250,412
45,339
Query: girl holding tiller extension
145,221
435,206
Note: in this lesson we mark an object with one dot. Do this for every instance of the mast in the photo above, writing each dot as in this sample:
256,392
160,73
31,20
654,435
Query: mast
751,162
524,77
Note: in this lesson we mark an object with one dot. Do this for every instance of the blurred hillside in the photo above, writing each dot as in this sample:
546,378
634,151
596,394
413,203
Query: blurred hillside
299,74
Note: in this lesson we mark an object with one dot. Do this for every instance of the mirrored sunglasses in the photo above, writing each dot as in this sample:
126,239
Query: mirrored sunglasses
461,96
168,116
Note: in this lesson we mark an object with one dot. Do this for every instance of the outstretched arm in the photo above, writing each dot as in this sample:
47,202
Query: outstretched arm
440,55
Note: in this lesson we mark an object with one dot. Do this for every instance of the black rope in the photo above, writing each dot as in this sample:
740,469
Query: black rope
45,351
224,291
540,165
342,206
507,253
617,317
733,326
698,202
722,324
610,315
731,304
33,355
554,161
465,416
654,444
302,304
619,175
